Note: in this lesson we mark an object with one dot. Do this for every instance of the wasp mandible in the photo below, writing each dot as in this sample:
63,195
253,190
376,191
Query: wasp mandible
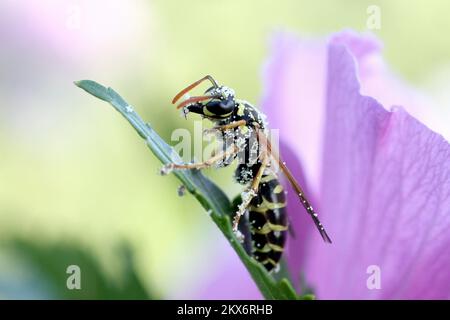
243,132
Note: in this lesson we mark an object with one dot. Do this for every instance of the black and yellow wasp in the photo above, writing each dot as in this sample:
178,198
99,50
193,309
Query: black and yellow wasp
243,132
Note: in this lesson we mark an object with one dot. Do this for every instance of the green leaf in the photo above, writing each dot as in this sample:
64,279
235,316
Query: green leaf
211,197
308,296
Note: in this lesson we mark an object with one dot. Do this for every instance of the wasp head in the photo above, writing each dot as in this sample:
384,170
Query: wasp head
217,103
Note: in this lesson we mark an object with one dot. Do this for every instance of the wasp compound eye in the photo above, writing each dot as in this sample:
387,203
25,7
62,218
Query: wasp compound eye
221,107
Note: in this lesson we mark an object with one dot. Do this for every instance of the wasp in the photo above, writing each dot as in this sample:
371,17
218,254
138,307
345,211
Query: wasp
243,134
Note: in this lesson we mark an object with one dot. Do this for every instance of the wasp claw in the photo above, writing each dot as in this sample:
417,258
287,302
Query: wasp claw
166,169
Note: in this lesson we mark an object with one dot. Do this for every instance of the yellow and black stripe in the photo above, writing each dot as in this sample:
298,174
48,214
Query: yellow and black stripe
268,222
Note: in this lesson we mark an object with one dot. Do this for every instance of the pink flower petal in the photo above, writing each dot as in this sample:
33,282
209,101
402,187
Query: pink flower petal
379,81
385,194
385,186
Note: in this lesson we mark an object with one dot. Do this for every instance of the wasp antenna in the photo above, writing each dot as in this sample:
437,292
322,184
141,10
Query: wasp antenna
194,100
193,85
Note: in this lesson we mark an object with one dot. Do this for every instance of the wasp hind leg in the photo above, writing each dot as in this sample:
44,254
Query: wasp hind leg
250,194
166,169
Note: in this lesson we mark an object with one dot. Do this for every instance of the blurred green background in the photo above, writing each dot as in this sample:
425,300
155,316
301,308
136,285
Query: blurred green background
77,184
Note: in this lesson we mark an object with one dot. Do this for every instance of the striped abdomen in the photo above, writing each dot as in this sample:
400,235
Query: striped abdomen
268,222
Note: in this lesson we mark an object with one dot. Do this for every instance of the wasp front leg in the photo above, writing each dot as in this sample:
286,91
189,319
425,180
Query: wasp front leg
225,127
201,165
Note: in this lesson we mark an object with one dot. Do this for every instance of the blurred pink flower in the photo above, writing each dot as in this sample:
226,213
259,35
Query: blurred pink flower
379,178
74,32
46,44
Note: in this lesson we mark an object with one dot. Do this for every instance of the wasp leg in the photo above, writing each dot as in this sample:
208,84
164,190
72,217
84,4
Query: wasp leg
224,127
201,165
249,195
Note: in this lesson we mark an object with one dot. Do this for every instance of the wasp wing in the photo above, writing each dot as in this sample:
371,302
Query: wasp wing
309,209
